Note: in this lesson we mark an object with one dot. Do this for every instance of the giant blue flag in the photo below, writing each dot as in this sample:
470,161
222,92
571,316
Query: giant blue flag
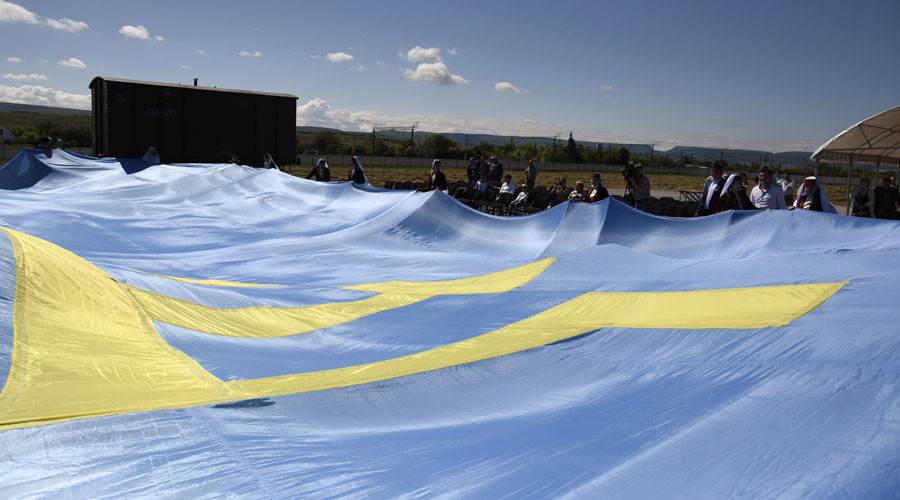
205,331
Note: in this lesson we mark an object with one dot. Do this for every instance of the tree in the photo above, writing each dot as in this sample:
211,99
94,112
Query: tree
527,151
324,139
484,149
623,156
572,150
508,149
437,146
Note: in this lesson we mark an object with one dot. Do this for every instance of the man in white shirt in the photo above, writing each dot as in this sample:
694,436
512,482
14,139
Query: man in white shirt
767,195
712,190
787,185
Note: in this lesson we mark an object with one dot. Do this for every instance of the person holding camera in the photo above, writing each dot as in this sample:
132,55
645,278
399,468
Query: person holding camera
641,185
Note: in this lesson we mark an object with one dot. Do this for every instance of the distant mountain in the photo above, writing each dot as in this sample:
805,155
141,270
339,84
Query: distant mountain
745,156
30,108
732,156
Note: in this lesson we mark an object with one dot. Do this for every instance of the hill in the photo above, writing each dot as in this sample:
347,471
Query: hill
27,115
30,108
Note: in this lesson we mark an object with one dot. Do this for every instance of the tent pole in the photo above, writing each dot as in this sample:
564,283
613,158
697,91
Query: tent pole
849,169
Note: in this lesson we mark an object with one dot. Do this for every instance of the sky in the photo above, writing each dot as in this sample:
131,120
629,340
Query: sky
772,75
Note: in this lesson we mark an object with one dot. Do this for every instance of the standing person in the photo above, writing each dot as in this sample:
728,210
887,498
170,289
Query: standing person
787,185
472,170
268,162
55,141
152,155
887,201
484,168
321,171
734,195
811,196
436,179
496,172
357,175
767,195
712,191
530,174
862,201
641,186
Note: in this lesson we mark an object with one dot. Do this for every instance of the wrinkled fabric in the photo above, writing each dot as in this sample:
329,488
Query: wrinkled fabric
803,403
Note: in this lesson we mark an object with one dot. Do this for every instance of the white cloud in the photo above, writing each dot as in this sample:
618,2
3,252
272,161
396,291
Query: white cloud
437,73
318,112
138,31
44,96
431,67
73,62
13,59
452,51
247,53
159,38
67,24
339,57
605,87
185,66
200,51
508,87
419,54
13,13
24,77
359,67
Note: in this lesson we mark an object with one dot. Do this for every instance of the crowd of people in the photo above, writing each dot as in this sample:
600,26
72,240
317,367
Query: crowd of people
719,193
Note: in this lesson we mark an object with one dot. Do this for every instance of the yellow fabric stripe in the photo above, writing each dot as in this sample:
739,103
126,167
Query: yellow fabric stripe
264,322
222,283
744,308
85,345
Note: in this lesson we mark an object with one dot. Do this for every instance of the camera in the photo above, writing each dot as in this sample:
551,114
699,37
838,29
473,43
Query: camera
629,172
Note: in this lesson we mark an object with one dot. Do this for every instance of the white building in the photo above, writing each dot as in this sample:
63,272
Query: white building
6,136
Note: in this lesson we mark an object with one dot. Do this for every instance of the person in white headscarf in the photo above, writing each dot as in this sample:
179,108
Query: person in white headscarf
734,195
598,189
357,174
152,155
321,171
811,196
437,179
268,162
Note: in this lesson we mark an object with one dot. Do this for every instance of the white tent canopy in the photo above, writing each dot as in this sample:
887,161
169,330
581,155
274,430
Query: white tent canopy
874,141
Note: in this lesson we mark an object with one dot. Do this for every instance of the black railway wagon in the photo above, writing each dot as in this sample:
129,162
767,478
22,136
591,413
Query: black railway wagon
190,124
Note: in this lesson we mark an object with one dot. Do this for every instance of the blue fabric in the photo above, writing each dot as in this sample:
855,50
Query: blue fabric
811,409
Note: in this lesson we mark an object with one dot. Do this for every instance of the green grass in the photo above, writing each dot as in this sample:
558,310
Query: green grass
24,119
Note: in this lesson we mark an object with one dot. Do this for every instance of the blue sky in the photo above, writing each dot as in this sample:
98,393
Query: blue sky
773,75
